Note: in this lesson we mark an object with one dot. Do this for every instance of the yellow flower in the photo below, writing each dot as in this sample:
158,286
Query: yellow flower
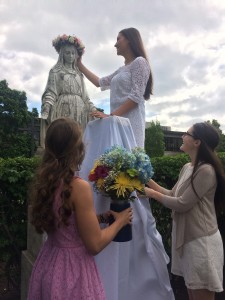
100,183
92,171
96,163
123,184
137,184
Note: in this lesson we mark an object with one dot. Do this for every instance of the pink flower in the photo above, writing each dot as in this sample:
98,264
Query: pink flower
64,37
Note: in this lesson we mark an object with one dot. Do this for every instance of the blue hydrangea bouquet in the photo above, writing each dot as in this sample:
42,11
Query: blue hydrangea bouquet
117,174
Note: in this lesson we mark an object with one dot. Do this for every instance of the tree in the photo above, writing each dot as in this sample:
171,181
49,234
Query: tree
14,115
34,112
221,146
154,140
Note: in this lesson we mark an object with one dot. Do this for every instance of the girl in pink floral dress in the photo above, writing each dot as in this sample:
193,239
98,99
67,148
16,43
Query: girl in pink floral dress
63,207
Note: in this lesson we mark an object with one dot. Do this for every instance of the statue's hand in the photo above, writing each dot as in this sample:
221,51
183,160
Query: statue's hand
93,109
44,115
45,111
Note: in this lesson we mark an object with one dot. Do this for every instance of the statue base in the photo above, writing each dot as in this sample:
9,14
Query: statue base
34,243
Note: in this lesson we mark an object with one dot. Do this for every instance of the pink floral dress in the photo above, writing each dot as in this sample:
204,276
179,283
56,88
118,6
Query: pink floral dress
64,269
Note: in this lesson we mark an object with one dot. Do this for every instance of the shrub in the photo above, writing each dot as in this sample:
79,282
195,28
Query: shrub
15,176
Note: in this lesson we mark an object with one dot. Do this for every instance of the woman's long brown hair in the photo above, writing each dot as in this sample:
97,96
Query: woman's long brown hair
209,137
137,47
63,154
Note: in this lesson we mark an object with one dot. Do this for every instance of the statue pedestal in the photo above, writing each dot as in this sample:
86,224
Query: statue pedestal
137,267
34,243
39,151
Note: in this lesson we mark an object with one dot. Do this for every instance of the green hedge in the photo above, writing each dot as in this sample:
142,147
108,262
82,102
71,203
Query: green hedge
15,177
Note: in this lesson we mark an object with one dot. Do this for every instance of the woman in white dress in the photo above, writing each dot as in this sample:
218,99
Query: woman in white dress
130,85
135,269
197,247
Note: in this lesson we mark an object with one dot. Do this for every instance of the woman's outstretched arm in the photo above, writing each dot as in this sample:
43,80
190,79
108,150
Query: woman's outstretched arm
156,187
94,238
90,76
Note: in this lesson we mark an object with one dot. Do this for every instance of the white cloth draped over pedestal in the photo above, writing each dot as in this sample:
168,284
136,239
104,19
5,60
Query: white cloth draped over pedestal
136,269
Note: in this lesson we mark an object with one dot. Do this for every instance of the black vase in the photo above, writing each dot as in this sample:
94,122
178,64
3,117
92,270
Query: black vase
125,234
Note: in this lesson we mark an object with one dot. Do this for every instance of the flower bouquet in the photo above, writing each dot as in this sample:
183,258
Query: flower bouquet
117,174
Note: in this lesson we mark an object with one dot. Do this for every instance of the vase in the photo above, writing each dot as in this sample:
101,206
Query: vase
125,234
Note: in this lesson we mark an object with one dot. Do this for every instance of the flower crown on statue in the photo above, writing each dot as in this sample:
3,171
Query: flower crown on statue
68,39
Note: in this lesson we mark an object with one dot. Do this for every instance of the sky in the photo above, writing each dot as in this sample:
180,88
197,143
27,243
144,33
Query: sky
184,41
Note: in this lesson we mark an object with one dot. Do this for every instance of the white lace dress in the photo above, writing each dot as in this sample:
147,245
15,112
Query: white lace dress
129,82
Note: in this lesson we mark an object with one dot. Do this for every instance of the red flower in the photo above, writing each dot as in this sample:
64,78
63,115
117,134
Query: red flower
101,171
98,172
92,177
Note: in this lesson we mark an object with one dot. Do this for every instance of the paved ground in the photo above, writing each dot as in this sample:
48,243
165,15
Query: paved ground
9,293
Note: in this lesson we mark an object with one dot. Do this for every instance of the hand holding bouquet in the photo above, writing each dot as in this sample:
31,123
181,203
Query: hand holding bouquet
117,174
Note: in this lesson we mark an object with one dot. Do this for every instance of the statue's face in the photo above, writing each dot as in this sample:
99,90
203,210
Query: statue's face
70,54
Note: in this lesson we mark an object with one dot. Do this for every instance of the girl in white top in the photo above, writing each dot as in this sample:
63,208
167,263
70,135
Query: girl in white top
130,85
197,247
145,275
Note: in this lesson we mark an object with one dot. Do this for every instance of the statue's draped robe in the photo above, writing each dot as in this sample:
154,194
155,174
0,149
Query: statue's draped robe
67,96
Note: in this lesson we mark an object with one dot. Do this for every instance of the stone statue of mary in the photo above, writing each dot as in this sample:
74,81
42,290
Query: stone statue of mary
65,94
